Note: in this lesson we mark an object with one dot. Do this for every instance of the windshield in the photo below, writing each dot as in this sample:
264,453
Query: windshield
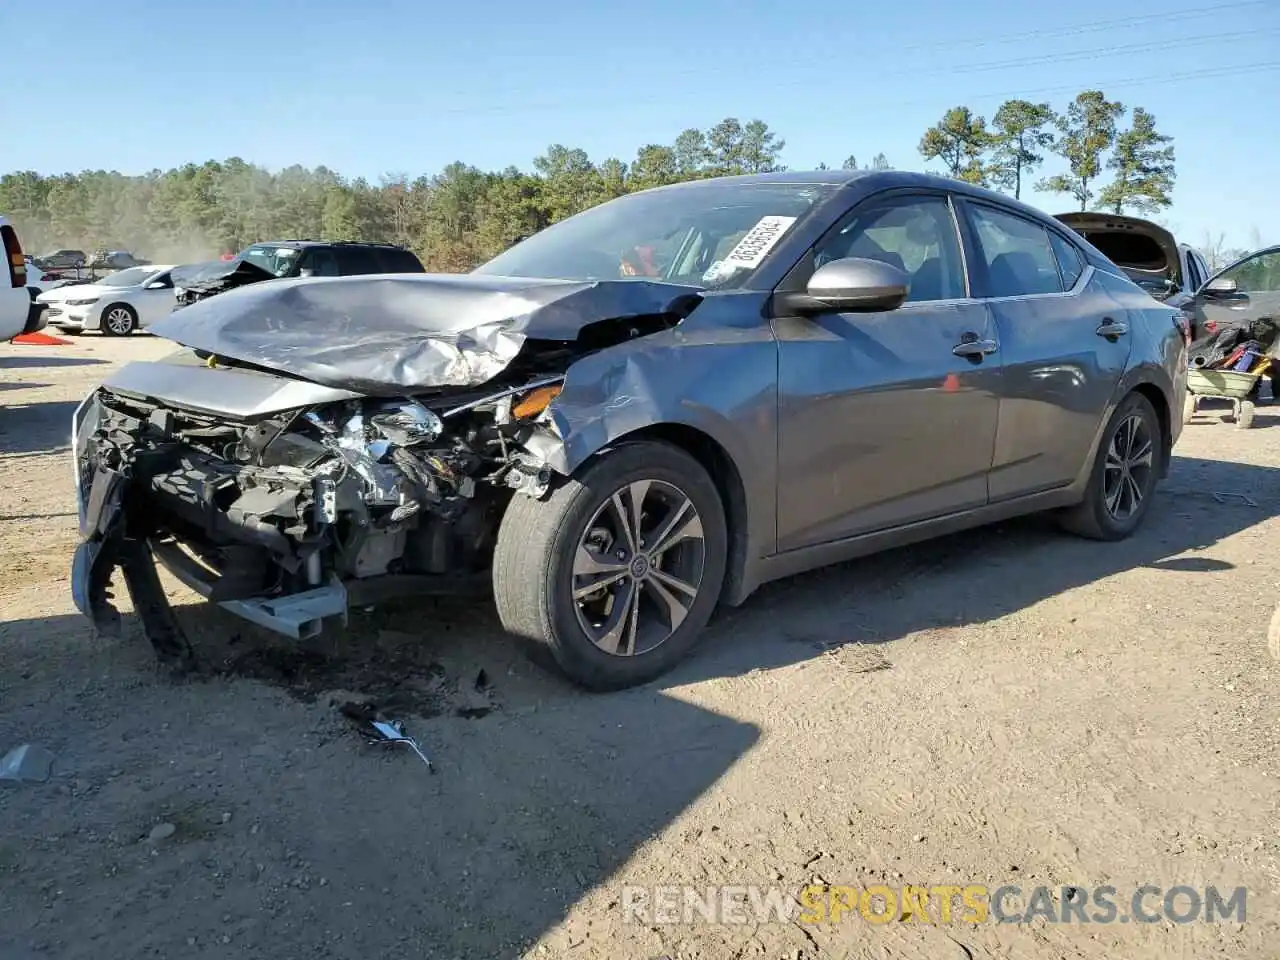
695,235
277,260
126,278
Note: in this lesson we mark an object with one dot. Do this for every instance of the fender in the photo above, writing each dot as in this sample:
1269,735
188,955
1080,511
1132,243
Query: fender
727,392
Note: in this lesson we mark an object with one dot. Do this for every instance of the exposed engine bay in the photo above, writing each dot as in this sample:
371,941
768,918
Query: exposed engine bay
290,513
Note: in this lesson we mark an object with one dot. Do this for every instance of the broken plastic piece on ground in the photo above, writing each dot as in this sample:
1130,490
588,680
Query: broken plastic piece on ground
27,762
38,339
393,732
366,716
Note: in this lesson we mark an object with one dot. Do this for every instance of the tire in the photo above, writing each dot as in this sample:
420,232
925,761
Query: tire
1244,419
534,566
118,320
1189,408
1092,517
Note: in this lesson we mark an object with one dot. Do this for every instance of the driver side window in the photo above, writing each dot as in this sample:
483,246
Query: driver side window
917,235
1259,274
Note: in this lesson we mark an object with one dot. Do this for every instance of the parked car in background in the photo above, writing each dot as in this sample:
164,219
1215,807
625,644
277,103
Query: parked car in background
118,304
291,258
63,260
1239,294
40,279
1146,252
15,301
642,411
115,260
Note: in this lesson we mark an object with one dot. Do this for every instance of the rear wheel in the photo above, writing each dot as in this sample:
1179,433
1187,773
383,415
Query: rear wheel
618,571
119,320
1124,474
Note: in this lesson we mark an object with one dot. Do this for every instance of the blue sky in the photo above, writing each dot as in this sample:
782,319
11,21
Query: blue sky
402,86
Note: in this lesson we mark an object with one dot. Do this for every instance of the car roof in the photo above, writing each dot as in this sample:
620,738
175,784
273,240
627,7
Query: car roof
327,243
868,181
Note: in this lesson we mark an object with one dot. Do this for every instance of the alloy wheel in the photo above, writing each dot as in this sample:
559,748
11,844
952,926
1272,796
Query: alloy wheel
119,321
638,567
1127,470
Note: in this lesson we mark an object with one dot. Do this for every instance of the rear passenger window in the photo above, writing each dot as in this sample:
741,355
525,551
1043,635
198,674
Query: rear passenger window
1193,273
355,261
1019,257
401,261
1070,263
321,262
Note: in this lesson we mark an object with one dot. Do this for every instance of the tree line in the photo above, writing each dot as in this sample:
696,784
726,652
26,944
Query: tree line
1087,136
453,220
463,215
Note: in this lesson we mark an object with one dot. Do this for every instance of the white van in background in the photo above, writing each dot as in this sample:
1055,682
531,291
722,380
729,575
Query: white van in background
15,299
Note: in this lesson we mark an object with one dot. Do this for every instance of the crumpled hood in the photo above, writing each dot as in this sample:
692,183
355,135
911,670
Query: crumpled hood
214,274
392,334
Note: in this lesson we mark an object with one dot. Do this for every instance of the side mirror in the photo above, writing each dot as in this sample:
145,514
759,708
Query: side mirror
155,285
1221,286
852,285
306,272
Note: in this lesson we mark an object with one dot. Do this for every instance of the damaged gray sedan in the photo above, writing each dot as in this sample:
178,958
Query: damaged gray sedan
638,413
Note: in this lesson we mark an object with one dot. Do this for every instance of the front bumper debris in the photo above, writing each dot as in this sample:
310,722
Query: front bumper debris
299,616
107,543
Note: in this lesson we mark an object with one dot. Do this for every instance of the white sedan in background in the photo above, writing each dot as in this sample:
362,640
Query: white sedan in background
118,304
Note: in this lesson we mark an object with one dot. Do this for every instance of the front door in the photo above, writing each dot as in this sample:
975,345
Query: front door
1256,294
155,300
882,422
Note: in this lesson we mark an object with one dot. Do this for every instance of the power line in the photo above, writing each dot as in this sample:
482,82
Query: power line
1086,27
1102,53
1166,78
1090,26
1049,59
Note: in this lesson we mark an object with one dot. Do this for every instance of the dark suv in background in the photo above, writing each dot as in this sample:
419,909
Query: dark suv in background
280,259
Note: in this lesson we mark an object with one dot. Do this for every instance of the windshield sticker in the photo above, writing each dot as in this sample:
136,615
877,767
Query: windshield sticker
759,240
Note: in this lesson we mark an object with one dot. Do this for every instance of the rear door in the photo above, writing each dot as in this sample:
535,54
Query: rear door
1251,291
1065,345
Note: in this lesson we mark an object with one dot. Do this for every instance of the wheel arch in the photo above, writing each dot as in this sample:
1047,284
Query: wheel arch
1159,400
724,473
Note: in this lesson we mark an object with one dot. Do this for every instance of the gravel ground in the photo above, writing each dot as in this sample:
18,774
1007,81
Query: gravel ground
1011,705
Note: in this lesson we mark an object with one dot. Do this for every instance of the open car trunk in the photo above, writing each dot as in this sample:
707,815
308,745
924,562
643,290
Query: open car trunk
1145,251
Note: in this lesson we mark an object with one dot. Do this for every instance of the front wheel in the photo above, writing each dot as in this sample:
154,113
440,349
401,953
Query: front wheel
618,571
119,320
1124,474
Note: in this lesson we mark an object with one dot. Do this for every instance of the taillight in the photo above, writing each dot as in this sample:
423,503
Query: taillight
13,250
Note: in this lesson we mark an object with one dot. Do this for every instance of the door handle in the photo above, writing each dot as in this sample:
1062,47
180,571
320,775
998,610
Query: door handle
973,347
1111,329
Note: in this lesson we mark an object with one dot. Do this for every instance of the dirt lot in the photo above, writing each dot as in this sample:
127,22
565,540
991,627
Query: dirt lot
1007,706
